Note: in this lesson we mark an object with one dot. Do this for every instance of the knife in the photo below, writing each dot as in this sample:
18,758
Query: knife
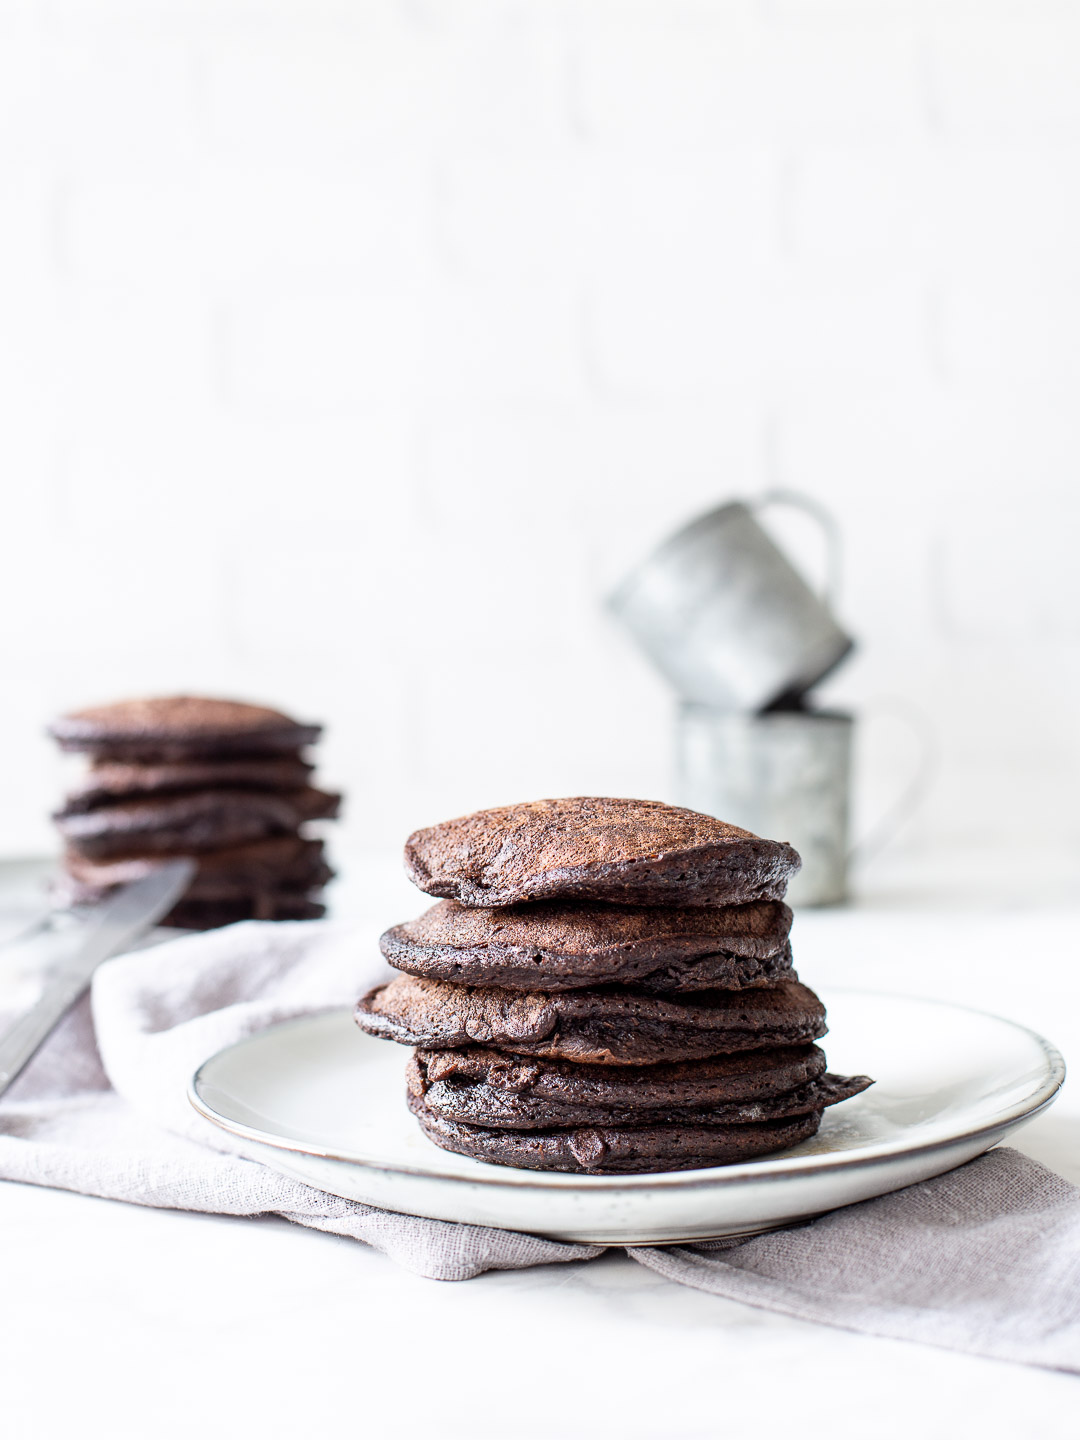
109,926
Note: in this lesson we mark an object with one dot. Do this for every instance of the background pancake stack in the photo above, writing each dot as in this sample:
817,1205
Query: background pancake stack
606,988
219,780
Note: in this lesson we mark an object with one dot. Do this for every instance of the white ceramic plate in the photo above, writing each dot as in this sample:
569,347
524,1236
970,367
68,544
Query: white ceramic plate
326,1105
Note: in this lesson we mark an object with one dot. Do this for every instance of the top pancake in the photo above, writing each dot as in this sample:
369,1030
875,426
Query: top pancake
180,727
625,852
563,945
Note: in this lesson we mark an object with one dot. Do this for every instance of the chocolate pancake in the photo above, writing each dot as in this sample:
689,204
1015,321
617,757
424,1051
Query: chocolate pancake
627,852
244,872
563,945
190,914
114,780
189,824
180,727
601,1027
484,1087
614,1150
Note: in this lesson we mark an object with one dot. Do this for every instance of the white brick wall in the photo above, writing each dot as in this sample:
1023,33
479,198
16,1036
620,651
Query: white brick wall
349,352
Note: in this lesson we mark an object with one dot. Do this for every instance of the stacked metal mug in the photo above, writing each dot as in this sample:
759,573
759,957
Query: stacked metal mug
742,638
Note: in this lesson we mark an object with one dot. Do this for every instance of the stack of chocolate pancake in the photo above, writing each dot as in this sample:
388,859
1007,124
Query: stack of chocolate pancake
221,781
606,987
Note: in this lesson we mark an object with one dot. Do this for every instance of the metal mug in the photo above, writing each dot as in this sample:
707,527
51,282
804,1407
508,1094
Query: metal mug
722,613
786,774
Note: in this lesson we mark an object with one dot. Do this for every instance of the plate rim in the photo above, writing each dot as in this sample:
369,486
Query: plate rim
769,1169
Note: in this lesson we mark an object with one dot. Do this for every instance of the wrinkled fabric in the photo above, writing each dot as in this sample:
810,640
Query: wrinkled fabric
985,1259
103,1108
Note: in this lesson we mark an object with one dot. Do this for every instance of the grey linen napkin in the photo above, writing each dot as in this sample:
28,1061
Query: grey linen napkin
985,1259
103,1108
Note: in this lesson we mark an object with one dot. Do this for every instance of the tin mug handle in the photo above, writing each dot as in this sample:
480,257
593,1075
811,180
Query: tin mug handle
830,529
912,794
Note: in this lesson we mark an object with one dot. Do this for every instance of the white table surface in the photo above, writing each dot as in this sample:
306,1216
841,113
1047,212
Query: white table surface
120,1322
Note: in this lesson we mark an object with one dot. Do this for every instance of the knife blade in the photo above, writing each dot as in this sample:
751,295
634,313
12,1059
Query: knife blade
110,925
